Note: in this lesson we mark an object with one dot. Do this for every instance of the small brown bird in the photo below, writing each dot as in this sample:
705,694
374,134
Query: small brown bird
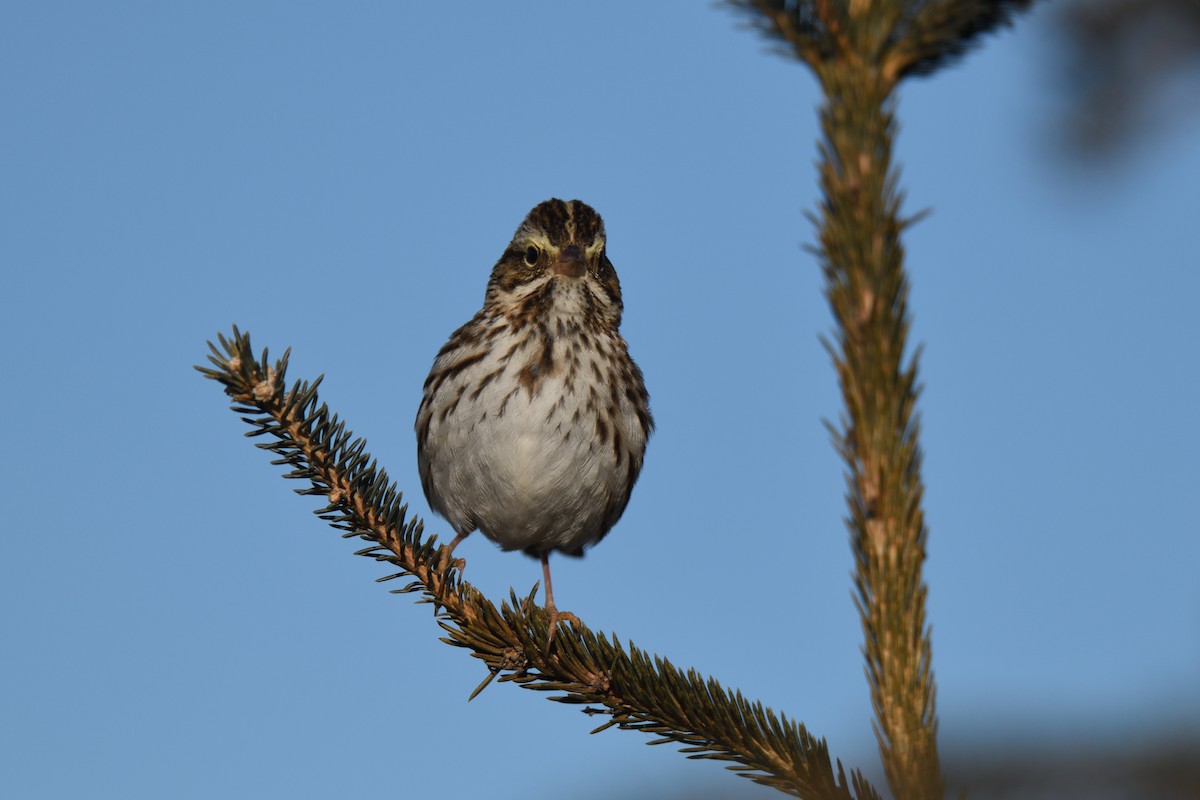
534,419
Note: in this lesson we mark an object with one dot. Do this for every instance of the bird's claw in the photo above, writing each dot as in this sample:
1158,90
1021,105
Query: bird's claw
447,562
556,617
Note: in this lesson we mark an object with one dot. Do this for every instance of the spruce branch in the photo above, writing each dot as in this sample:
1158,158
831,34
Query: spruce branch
867,289
859,51
637,691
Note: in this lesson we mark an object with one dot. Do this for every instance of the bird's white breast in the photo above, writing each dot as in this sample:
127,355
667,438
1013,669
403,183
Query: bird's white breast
529,454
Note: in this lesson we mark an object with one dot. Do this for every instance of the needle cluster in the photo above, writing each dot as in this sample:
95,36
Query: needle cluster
899,37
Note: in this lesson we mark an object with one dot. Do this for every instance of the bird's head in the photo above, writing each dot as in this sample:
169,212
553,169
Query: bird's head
556,263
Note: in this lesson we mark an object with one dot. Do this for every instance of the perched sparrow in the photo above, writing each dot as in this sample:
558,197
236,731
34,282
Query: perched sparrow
535,419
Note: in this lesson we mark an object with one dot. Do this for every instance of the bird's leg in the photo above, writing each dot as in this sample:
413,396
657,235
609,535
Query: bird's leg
555,614
445,562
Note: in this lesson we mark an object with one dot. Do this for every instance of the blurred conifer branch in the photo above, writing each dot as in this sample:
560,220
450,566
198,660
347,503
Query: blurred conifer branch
860,50
1118,54
637,691
898,38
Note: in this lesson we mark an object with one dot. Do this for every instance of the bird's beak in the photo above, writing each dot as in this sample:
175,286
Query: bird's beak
570,262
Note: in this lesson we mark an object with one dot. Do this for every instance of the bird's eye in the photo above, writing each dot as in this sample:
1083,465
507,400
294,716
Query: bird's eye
531,256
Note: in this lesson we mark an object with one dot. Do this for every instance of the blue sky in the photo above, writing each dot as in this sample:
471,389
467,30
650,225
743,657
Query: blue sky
341,179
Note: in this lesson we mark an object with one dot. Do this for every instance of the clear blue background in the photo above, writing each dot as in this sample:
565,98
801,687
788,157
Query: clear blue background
341,179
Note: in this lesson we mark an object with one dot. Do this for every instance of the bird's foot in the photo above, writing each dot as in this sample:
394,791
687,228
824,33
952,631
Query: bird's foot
556,617
447,562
